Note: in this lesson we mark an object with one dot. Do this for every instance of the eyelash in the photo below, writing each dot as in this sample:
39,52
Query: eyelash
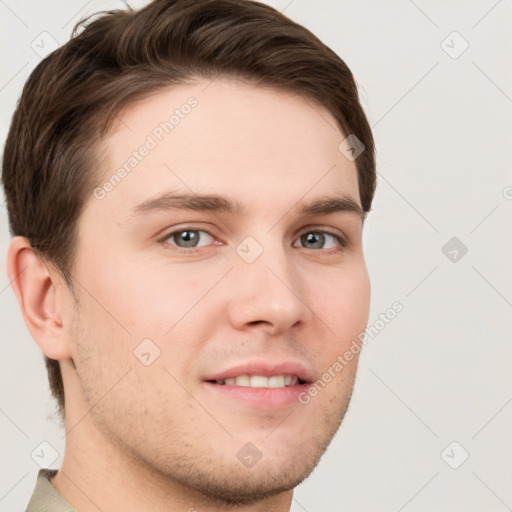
342,241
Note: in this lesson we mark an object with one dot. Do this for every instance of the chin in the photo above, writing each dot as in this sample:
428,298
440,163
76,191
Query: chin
239,485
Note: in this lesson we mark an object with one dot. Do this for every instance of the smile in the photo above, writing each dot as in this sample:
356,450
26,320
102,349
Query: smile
261,381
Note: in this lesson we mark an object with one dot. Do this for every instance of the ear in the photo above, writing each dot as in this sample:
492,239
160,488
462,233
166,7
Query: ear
37,290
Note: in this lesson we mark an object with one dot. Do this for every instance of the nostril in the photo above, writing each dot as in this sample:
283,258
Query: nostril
257,322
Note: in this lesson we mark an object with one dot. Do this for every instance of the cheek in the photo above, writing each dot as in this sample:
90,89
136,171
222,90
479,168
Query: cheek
343,303
145,298
144,318
167,301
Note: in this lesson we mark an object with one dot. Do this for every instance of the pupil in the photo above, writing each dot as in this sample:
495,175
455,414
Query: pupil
187,239
315,240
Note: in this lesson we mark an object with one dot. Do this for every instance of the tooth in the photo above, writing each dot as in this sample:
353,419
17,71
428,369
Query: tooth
276,382
259,381
243,380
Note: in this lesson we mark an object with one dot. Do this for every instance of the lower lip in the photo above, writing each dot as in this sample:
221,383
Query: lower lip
263,398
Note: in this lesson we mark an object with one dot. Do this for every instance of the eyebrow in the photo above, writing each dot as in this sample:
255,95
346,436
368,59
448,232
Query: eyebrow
215,203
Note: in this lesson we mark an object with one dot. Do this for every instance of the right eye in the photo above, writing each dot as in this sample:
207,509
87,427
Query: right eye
188,238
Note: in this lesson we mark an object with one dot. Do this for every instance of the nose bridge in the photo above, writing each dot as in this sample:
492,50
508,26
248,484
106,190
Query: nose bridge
267,287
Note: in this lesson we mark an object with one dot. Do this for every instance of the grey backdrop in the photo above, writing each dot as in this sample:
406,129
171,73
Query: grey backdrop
429,424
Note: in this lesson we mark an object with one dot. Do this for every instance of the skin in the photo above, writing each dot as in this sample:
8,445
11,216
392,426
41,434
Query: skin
155,438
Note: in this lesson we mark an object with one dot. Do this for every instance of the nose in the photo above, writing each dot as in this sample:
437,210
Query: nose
269,294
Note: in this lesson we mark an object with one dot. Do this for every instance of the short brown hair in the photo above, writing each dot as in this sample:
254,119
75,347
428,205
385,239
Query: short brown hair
71,98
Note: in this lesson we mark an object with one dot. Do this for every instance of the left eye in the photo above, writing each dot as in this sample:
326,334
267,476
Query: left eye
318,239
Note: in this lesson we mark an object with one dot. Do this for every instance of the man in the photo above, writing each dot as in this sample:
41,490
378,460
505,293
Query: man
186,186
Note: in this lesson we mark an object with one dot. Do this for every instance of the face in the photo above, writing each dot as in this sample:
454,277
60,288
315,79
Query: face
220,276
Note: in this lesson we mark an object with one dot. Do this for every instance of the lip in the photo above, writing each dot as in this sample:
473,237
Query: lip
261,398
264,368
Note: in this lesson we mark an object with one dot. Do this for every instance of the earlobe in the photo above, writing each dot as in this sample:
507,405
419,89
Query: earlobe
36,291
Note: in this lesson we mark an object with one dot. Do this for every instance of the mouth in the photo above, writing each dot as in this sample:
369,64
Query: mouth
261,386
260,381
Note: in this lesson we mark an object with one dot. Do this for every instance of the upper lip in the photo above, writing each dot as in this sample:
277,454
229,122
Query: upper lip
264,368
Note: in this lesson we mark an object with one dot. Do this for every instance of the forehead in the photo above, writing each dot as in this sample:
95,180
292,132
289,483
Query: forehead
260,145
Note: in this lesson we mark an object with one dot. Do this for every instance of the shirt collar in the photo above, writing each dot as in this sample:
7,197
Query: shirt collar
45,497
